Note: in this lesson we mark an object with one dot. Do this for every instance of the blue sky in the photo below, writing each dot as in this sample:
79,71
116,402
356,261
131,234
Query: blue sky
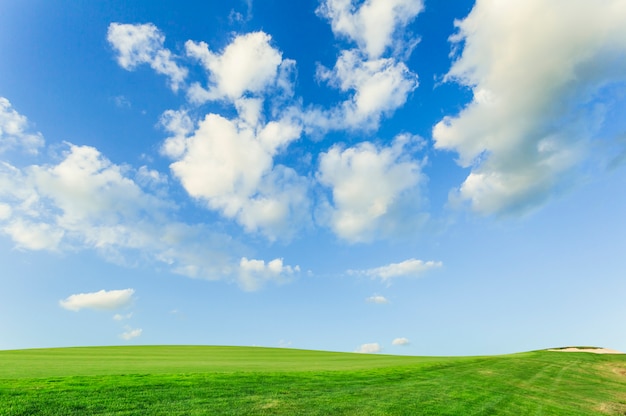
403,177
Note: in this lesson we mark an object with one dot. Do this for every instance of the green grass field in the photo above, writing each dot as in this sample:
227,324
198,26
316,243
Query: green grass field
170,380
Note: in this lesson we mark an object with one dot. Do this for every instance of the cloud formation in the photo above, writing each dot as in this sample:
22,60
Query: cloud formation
371,348
407,268
371,185
541,97
14,131
138,44
101,300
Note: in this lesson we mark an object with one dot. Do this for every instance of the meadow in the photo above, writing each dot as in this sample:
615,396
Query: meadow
197,380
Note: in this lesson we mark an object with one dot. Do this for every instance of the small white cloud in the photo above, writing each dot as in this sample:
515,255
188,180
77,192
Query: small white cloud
378,299
400,342
121,101
131,333
138,44
372,348
254,273
101,300
411,267
14,130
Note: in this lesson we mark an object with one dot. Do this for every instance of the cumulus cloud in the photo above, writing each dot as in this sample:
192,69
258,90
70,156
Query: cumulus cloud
249,64
370,188
400,342
131,333
375,25
101,300
372,348
255,273
378,299
547,79
229,164
407,268
378,88
14,130
138,44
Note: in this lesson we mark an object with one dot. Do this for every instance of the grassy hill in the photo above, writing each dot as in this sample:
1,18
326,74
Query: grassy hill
189,380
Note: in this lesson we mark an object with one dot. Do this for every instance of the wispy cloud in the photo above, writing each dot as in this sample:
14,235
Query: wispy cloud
101,300
131,333
15,131
408,268
138,44
378,299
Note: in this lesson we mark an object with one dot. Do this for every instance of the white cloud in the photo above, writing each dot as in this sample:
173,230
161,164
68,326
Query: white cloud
375,25
400,342
380,86
229,164
372,348
378,299
138,44
255,273
408,268
247,65
14,130
131,333
546,79
33,235
101,300
369,185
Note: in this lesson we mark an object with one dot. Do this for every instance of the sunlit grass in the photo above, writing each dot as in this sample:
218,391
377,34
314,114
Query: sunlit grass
261,381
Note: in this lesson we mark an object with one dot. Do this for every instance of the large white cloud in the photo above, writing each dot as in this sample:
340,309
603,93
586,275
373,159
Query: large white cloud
371,188
407,268
101,300
230,165
249,64
14,131
548,78
138,44
375,25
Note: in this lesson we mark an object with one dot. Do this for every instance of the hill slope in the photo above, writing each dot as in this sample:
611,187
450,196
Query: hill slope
261,381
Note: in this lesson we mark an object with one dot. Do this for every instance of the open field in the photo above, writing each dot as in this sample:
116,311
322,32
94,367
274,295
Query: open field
263,381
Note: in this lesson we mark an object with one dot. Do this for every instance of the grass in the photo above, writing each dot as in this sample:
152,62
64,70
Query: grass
264,381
